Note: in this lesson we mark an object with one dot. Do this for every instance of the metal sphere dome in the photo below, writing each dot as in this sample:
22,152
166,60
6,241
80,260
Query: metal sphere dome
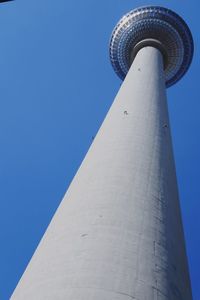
152,26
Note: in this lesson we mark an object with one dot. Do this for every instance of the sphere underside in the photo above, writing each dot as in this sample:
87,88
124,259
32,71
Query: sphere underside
152,23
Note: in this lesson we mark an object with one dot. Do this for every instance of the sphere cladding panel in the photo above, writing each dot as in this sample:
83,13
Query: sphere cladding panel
158,23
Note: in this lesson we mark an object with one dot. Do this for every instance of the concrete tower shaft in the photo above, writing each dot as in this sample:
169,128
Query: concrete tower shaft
117,234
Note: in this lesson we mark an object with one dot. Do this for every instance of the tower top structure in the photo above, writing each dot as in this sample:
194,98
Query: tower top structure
152,26
2,1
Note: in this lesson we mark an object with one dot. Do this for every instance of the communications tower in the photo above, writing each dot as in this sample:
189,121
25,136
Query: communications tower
117,234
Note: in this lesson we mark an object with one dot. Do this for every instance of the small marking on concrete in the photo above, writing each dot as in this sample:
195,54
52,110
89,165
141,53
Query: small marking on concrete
83,235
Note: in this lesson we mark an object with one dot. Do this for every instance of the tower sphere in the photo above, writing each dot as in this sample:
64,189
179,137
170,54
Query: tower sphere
152,26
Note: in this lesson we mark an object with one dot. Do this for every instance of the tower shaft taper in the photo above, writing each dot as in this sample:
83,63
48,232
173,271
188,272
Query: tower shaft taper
117,234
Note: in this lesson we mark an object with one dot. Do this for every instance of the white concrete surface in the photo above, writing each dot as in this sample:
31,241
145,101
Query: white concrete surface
117,234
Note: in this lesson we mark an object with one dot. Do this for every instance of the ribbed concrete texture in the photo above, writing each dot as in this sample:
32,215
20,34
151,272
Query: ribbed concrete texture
117,234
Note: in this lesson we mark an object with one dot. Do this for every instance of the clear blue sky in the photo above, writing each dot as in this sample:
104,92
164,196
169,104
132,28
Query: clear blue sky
56,85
